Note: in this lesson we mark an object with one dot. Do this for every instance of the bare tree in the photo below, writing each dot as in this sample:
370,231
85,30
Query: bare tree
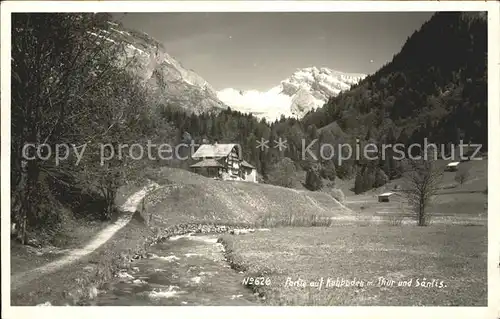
422,180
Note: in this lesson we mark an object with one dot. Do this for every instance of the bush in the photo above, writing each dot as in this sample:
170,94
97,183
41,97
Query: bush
345,170
313,180
365,179
283,173
327,170
380,178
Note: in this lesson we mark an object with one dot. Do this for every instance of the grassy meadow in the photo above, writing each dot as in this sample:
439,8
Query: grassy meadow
451,260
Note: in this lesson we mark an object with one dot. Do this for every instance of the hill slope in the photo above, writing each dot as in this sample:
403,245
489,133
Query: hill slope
186,197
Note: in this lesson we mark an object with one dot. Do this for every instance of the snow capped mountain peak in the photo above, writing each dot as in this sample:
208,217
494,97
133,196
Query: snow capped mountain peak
321,82
304,90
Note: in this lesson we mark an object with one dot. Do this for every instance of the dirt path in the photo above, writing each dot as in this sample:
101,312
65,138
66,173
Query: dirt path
72,256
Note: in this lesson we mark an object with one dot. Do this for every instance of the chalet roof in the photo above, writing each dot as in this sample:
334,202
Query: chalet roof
246,164
207,163
213,150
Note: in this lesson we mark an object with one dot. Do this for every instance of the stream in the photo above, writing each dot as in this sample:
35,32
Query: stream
184,270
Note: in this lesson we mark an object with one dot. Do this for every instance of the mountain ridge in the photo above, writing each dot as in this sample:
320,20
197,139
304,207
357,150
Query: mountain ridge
306,89
177,86
171,82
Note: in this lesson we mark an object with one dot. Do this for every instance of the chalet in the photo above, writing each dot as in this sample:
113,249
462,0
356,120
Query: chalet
384,197
249,172
223,161
452,167
208,168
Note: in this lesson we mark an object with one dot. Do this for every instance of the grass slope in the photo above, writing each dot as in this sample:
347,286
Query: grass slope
189,198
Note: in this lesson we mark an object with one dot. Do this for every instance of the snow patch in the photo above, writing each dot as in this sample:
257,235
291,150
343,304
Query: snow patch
121,32
137,49
101,37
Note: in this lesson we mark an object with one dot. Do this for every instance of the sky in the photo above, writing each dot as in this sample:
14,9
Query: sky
255,51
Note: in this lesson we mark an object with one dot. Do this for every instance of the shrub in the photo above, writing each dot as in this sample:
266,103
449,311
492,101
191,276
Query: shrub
327,170
283,173
380,178
365,179
313,180
345,170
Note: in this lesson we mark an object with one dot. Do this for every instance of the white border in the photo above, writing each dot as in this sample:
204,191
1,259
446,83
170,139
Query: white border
240,6
493,8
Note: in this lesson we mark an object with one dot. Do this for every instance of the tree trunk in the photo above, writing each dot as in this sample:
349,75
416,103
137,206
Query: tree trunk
24,199
24,236
421,216
109,204
22,202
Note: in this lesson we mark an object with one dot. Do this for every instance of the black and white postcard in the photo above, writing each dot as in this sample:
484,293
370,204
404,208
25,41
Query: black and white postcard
256,154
